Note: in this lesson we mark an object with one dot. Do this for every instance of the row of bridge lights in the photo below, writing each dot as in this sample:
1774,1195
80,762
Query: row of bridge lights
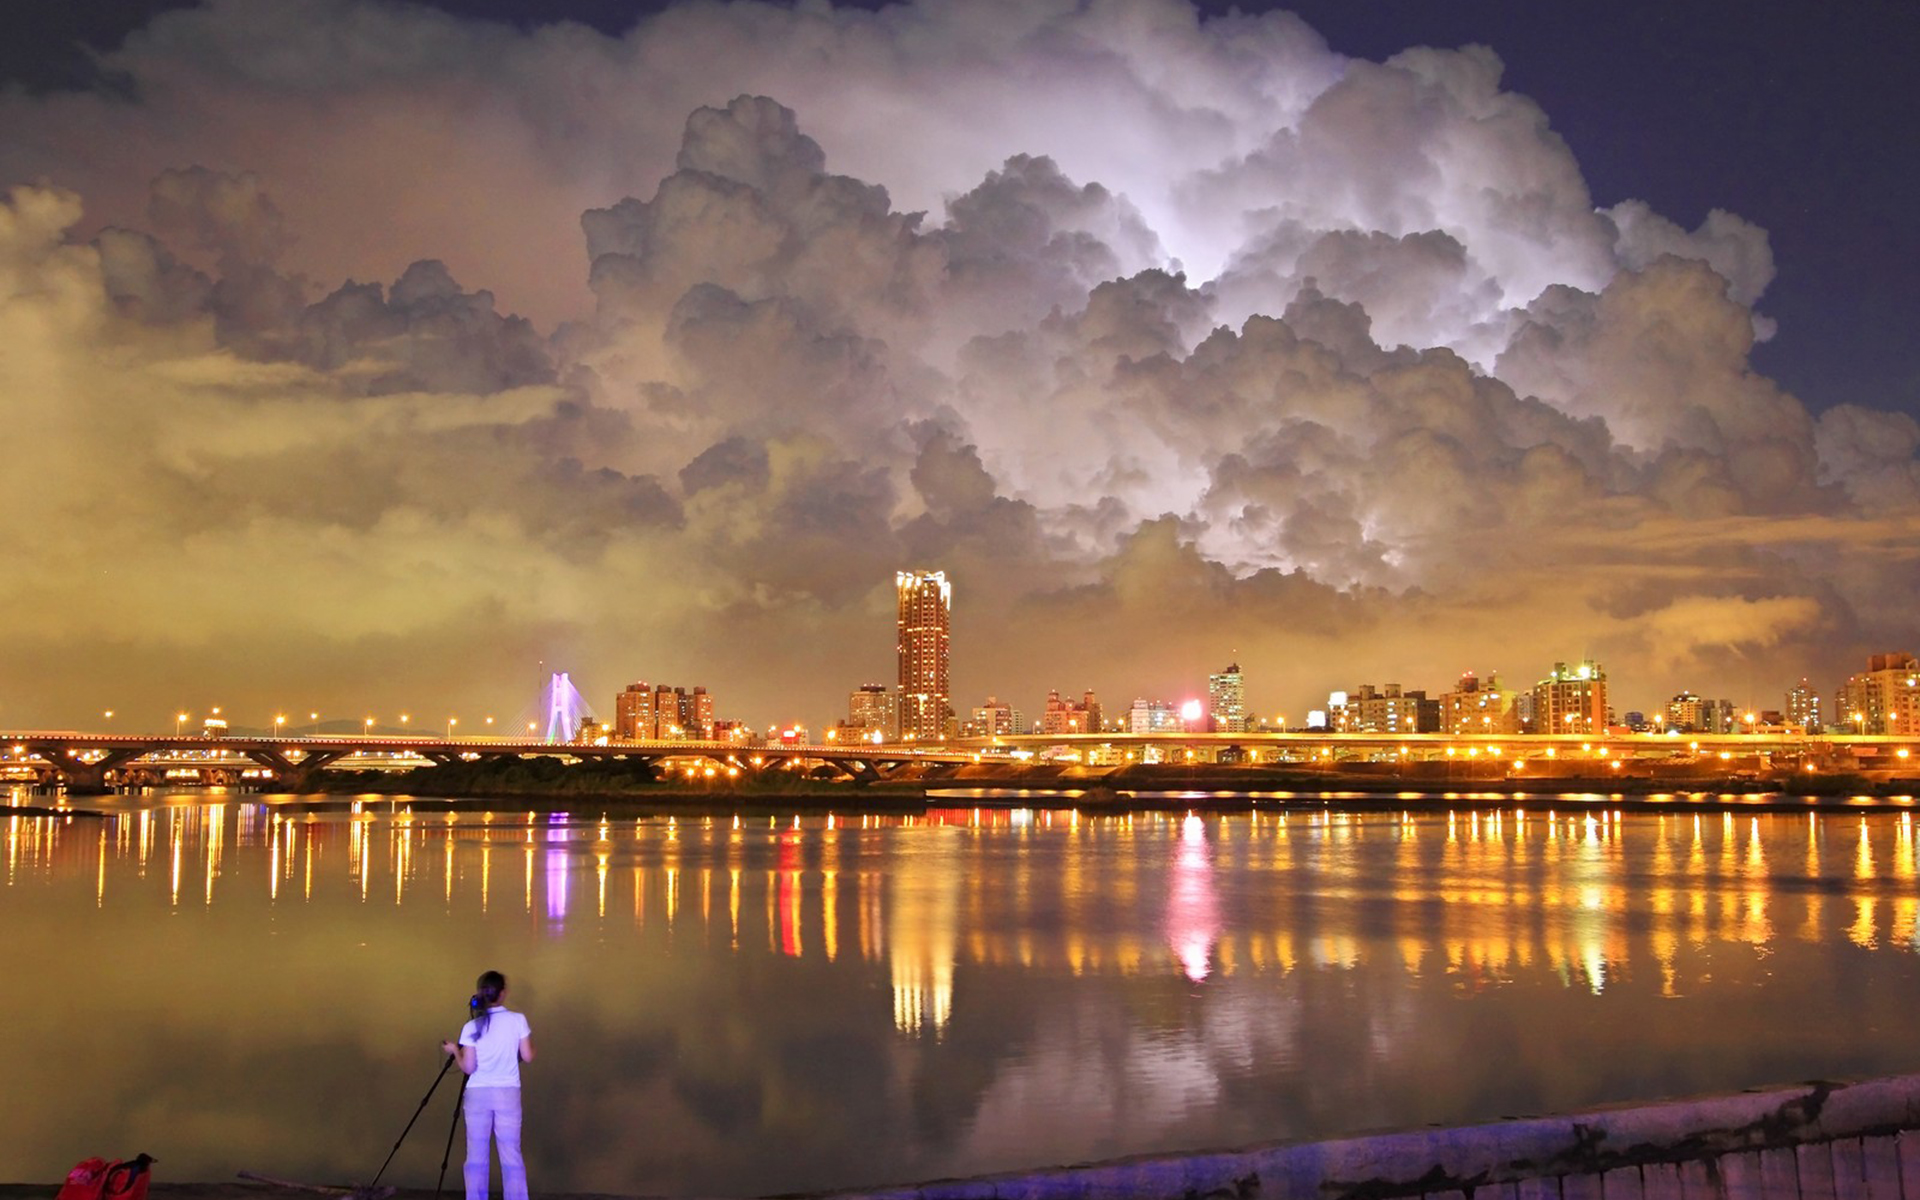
180,720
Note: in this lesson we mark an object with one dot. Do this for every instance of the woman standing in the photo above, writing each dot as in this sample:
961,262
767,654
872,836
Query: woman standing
491,1048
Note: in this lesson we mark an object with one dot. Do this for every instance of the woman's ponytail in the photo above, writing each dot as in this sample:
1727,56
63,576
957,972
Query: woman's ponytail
486,995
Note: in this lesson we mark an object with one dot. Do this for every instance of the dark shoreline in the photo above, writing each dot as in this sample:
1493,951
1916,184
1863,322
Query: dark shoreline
1137,787
1130,789
629,805
1576,795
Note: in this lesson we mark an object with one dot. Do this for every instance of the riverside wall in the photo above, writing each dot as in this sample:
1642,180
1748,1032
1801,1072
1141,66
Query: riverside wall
1818,1141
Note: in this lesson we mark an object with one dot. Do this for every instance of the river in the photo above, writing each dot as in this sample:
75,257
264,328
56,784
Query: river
745,1005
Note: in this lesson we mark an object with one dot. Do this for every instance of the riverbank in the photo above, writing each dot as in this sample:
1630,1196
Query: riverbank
1806,1140
1095,803
921,799
494,778
550,782
1814,1140
241,1190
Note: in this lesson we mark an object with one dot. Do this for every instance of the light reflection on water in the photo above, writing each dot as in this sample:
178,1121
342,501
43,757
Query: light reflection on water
732,1004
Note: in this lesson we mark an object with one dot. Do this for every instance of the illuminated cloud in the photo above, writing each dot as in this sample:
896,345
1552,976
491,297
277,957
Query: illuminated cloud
1187,337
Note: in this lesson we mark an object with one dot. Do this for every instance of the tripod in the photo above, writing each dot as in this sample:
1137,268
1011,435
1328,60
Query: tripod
459,1106
416,1117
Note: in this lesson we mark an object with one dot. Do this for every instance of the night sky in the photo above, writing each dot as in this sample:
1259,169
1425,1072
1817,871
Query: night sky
1461,369
1797,116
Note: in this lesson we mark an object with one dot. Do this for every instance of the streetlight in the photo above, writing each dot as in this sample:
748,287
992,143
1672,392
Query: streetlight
451,722
179,723
369,727
279,724
315,718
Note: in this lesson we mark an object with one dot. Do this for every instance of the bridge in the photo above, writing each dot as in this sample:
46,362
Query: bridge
95,762
84,762
1477,755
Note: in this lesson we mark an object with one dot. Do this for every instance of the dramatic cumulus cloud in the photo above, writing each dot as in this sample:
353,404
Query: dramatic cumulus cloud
361,357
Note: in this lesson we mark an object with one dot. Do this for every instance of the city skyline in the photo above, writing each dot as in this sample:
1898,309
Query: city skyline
371,357
1883,698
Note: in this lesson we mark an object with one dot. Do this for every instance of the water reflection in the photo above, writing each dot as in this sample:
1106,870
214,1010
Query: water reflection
759,1004
1192,923
909,900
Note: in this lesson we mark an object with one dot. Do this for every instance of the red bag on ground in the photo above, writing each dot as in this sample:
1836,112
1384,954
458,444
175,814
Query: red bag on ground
98,1179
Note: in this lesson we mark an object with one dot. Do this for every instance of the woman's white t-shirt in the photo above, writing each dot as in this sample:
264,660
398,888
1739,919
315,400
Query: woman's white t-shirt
497,1051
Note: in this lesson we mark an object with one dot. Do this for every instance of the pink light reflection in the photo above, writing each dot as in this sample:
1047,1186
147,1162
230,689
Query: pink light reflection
1193,918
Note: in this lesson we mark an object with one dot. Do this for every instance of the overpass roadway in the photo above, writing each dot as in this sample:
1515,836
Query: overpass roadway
89,761
92,761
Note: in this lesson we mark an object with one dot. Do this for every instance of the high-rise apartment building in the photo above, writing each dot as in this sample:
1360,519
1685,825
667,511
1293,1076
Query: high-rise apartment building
1687,713
669,712
1065,716
1227,701
1803,707
1386,709
1477,705
633,713
1885,698
1573,699
926,613
1152,716
873,710
643,712
698,714
1721,716
995,718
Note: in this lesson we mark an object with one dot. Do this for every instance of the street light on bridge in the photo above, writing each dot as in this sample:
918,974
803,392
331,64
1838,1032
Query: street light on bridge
451,722
179,724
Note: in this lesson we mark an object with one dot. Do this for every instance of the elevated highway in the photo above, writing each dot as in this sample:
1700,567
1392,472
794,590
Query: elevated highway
83,762
1432,756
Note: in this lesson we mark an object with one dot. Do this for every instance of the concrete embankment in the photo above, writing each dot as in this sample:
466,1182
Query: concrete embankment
1816,1141
1826,1141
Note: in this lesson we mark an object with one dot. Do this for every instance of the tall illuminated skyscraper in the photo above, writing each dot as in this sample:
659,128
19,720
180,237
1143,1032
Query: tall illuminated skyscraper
1226,701
926,610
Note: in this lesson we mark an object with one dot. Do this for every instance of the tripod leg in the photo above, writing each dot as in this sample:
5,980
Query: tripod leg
458,1107
416,1117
